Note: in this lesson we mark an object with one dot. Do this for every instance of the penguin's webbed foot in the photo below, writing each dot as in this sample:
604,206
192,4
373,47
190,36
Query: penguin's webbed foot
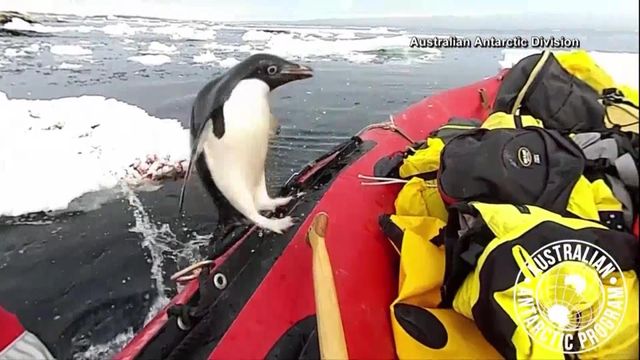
272,204
278,226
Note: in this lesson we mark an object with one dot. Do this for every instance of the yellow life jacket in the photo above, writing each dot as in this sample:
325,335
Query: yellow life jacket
539,285
568,92
422,330
502,120
420,195
581,65
621,110
423,161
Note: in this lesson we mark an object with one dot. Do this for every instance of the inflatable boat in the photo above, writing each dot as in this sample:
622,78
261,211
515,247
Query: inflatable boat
260,295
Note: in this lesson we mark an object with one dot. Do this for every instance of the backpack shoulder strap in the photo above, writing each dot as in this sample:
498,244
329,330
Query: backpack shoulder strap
627,169
461,251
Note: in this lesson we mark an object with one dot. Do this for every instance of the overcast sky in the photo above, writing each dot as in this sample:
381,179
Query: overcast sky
316,9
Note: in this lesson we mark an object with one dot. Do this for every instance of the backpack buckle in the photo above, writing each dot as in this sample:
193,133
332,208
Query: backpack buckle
612,95
600,164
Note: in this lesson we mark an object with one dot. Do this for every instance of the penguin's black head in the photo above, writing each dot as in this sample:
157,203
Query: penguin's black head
274,70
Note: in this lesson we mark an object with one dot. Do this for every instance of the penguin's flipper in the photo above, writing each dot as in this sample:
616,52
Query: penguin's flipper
186,178
217,121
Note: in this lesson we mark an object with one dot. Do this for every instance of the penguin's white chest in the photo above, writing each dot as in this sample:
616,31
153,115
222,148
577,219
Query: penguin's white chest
247,112
239,155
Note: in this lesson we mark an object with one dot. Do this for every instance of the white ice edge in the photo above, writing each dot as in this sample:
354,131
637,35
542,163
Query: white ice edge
205,57
54,151
26,51
21,25
160,48
209,57
150,60
69,50
69,66
228,62
623,67
121,29
299,42
185,32
354,50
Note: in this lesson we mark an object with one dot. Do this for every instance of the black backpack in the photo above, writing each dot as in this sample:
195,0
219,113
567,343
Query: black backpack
520,166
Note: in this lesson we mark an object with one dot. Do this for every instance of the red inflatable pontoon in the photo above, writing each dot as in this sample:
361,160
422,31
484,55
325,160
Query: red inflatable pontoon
262,304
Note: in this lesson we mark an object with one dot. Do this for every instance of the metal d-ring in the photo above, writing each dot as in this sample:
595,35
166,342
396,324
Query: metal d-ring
182,325
220,281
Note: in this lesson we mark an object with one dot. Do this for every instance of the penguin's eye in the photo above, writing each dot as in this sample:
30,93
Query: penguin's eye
272,69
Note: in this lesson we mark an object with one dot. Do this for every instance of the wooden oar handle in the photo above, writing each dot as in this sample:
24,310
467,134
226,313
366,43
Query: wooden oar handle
330,331
319,227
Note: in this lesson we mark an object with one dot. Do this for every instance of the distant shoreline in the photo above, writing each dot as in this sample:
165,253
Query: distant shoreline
498,22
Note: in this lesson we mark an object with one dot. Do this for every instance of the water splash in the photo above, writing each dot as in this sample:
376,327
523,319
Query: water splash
161,243
106,350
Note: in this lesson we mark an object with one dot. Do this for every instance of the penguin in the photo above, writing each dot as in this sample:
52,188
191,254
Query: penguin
230,127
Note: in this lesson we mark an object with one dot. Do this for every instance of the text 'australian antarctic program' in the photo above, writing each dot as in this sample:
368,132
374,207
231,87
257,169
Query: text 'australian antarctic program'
556,42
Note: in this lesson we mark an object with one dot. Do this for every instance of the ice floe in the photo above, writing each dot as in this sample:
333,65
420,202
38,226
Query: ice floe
69,66
185,32
160,48
228,62
21,25
120,29
53,151
205,57
13,52
150,60
209,57
228,48
288,45
69,50
256,35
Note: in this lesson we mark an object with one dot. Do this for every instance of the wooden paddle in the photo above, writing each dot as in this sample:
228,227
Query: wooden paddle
330,331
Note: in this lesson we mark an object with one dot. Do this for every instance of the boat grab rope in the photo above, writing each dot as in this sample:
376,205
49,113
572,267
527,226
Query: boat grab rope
191,272
387,125
375,180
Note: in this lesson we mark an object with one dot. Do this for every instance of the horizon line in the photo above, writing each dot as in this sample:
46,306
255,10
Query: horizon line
359,17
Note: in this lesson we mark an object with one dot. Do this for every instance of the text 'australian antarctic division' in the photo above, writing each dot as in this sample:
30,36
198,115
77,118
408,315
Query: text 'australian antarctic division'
494,42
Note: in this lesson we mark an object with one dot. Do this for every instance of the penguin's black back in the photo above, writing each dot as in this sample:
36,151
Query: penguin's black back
214,94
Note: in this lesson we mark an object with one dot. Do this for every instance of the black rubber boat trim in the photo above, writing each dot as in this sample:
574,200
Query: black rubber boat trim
300,342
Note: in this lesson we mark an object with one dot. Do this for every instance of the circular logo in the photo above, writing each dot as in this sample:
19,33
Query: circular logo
570,296
524,156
